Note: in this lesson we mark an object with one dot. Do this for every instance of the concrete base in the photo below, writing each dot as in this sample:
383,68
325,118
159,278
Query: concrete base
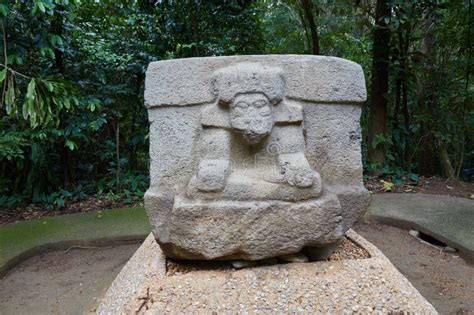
445,218
358,285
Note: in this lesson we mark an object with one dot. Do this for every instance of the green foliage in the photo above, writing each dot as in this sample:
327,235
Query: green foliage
72,82
11,145
72,120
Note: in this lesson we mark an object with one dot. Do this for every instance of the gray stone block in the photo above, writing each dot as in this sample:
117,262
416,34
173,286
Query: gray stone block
254,157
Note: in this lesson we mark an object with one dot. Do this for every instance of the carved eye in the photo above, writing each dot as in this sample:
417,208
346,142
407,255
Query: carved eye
242,105
259,104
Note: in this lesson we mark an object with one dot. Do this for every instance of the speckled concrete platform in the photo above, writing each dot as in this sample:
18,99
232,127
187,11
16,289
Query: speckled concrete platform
370,285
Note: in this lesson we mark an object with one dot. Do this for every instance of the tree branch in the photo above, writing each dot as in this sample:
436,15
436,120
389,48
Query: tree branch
15,72
5,55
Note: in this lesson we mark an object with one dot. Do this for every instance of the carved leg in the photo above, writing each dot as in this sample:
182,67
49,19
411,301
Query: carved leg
214,165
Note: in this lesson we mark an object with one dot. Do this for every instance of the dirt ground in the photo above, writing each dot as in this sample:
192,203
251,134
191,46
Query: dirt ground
71,281
425,185
445,280
62,282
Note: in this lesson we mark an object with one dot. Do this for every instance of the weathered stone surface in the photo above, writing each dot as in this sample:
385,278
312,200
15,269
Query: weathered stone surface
147,263
250,230
313,78
367,286
254,157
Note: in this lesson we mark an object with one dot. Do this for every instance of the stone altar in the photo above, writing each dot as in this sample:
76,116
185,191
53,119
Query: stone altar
254,157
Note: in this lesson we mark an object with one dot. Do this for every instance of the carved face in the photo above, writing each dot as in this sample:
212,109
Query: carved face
251,115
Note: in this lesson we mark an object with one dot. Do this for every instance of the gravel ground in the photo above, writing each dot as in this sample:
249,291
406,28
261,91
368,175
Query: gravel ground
348,249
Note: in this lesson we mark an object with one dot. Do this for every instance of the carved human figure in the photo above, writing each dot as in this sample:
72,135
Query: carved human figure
236,144
251,106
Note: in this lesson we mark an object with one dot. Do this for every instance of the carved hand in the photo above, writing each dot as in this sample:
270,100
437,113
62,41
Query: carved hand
297,171
211,175
301,177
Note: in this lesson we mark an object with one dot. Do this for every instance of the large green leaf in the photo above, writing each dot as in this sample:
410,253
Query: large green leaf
31,90
10,99
3,74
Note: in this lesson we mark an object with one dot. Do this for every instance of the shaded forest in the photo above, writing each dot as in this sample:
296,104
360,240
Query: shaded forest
72,119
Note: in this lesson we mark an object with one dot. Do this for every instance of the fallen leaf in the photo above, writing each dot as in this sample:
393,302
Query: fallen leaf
387,186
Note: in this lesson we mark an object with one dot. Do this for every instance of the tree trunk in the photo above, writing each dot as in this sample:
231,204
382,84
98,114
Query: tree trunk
448,170
404,44
132,150
433,152
117,155
57,27
397,130
65,163
466,98
377,124
398,97
307,6
406,121
307,42
194,27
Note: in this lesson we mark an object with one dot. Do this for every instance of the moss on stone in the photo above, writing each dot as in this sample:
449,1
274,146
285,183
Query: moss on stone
21,240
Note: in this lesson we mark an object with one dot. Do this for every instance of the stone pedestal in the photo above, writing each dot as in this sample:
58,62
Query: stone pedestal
366,285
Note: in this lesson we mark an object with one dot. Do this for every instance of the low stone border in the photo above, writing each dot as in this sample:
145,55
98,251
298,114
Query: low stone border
445,218
19,241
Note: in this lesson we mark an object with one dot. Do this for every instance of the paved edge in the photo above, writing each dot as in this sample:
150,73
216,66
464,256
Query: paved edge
22,240
375,215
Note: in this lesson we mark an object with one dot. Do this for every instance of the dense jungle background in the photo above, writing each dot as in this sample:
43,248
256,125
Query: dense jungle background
72,120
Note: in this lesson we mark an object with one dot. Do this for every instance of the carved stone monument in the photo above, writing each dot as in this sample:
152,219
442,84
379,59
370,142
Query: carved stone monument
254,157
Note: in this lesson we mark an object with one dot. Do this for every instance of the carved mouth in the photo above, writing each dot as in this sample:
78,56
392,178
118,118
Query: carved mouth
253,137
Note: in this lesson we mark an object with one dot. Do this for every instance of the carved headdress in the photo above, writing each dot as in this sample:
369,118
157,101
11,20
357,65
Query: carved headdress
249,78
